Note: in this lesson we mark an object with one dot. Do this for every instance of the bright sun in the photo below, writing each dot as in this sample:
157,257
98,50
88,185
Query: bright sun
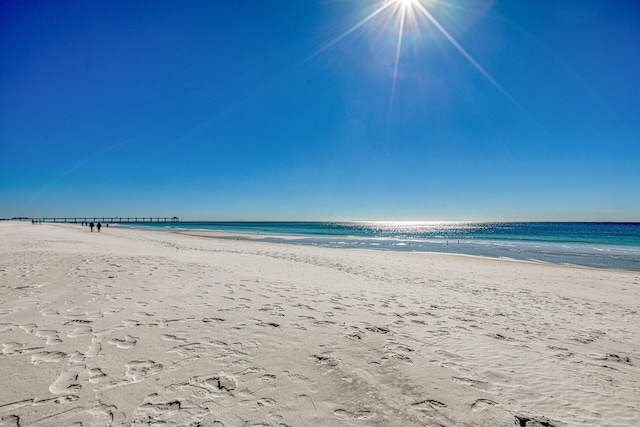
404,13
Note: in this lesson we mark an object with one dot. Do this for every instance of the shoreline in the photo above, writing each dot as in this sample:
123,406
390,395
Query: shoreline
128,326
293,240
304,240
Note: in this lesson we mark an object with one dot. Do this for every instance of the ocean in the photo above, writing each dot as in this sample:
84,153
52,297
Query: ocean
603,245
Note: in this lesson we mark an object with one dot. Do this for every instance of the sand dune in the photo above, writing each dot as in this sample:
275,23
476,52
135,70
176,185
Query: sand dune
135,327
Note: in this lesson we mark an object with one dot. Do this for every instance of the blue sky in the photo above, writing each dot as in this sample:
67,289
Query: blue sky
303,110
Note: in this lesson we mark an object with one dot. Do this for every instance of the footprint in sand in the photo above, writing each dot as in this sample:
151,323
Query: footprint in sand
377,329
138,371
267,378
77,318
49,312
7,327
301,379
94,348
109,413
47,357
212,320
130,323
175,338
189,350
125,343
80,331
50,335
245,348
268,324
358,415
482,404
325,359
66,383
12,348
397,351
10,421
257,403
526,421
428,405
142,314
68,398
156,410
222,383
75,358
611,357
95,375
15,348
29,327
174,405
251,370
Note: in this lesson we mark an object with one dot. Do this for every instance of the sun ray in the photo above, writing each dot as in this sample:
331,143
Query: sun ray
403,12
464,53
351,30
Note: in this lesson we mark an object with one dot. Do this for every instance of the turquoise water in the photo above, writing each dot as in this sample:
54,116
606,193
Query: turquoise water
609,245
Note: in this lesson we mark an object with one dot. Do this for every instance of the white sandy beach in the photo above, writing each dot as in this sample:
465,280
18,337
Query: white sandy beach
136,327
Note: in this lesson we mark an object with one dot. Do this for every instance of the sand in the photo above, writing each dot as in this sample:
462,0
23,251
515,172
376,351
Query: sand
137,327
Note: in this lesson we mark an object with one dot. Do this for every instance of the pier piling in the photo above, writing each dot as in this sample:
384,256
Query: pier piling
111,220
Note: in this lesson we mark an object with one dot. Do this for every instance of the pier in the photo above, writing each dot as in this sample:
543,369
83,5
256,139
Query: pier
111,220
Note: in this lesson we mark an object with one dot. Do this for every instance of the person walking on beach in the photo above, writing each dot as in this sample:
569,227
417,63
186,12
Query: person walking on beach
99,226
91,226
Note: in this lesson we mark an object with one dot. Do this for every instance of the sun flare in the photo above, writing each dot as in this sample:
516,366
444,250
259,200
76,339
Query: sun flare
411,14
